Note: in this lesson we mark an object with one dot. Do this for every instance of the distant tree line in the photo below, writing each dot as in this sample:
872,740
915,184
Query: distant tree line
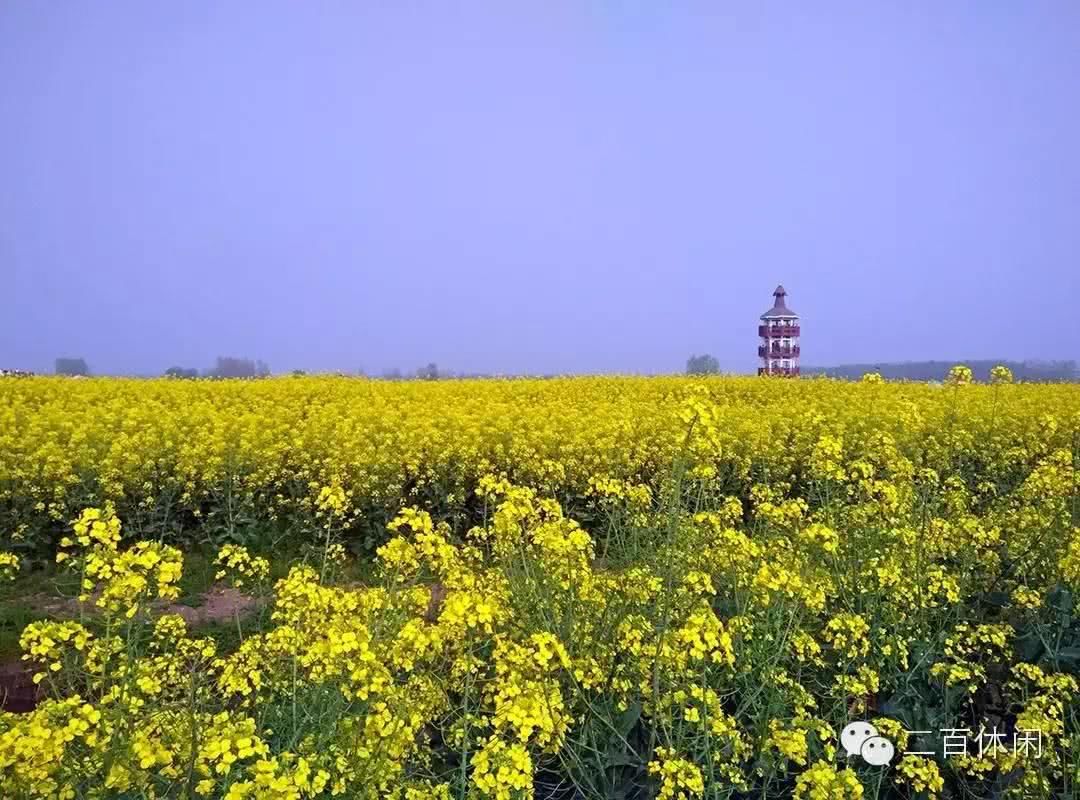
181,372
429,372
224,367
1040,371
704,364
432,372
230,367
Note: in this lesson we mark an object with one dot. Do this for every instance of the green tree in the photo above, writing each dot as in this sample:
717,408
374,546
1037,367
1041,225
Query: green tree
702,365
231,367
428,373
71,366
181,372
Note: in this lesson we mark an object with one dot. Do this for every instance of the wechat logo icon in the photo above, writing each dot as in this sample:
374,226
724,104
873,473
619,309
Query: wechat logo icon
862,739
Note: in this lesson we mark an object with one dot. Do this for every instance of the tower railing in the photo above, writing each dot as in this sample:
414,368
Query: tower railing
773,331
791,351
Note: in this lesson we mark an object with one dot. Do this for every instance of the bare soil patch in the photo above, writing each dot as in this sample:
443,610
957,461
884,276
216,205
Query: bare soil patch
218,604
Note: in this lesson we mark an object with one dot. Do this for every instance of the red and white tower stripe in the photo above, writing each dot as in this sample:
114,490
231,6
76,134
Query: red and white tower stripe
778,348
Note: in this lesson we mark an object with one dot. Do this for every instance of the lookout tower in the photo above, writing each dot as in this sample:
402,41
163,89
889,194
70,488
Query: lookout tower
778,348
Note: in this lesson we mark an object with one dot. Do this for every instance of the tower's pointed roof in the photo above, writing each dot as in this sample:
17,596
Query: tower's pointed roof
779,308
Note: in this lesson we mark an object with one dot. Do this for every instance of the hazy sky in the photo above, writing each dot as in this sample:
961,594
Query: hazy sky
535,186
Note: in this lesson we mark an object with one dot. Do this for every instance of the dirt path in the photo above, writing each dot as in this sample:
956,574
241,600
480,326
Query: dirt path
19,694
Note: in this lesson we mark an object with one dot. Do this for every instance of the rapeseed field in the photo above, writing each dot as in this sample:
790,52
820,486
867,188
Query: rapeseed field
579,587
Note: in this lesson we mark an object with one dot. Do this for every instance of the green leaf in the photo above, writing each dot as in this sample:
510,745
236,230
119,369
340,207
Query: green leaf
1062,599
1070,655
621,758
1031,647
628,719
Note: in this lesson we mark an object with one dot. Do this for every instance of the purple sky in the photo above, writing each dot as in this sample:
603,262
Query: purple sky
535,187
